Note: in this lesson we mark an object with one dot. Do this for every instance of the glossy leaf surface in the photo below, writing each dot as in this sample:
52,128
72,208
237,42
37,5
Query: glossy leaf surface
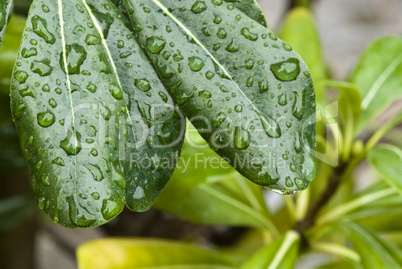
236,79
77,117
145,253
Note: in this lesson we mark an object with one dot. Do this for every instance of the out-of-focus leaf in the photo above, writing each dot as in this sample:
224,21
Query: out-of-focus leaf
8,55
145,254
387,160
282,253
11,158
13,210
374,251
300,31
5,6
341,264
235,78
379,77
206,189
349,112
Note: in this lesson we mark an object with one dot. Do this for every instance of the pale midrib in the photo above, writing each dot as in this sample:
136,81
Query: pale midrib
380,81
109,54
180,24
64,44
287,243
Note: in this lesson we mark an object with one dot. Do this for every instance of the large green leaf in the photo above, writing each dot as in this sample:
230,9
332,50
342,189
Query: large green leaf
82,117
378,76
153,146
247,92
145,254
300,31
5,6
374,251
205,189
282,253
387,160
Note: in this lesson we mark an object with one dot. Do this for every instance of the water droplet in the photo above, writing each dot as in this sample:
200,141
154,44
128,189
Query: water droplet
287,47
286,70
217,19
142,84
289,182
198,7
76,55
250,82
39,26
204,94
46,119
155,44
249,35
217,2
221,33
298,145
72,143
263,85
196,63
241,138
45,8
299,183
298,106
209,75
59,161
27,91
52,103
42,68
270,126
249,64
91,87
95,195
92,39
109,209
26,53
21,76
282,100
221,117
232,47
273,36
95,170
183,98
94,152
293,167
238,108
163,96
116,92
139,193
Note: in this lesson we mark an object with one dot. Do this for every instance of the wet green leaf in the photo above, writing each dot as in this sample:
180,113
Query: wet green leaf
387,160
81,117
236,79
145,253
210,191
282,253
300,31
250,8
374,251
378,75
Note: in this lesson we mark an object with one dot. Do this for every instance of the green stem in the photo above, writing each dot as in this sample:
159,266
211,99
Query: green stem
383,130
337,250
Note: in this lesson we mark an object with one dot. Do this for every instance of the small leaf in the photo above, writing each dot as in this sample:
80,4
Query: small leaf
210,191
377,75
242,121
387,160
13,210
374,251
145,253
5,7
300,31
282,253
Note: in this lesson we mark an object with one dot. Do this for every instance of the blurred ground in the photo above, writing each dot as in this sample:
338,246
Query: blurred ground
346,27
